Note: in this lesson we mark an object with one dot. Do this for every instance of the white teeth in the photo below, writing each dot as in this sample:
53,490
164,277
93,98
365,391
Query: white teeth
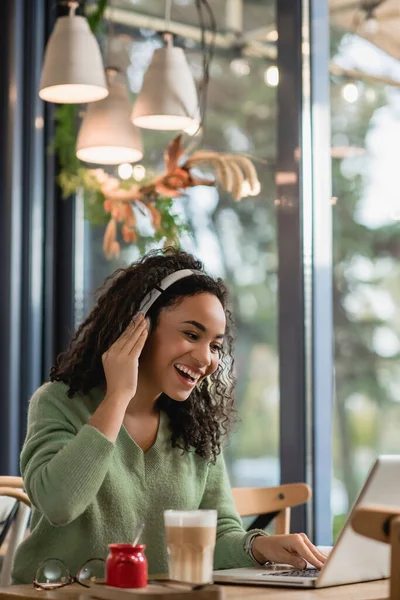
192,374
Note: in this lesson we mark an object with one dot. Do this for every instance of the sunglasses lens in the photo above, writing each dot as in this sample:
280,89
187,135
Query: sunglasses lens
93,571
52,573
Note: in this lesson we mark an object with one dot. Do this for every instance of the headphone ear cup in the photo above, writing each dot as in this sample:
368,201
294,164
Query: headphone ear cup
148,322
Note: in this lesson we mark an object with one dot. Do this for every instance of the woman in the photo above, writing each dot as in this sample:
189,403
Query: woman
132,422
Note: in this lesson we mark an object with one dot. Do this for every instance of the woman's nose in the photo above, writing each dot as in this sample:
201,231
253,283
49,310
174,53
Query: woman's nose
202,354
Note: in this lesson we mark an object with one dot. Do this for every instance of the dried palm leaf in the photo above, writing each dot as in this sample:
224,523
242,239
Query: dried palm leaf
118,195
248,169
110,235
227,174
117,211
173,154
218,161
130,217
129,235
238,180
155,216
115,249
167,191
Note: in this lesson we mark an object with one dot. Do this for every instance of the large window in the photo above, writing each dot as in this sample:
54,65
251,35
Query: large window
366,213
236,241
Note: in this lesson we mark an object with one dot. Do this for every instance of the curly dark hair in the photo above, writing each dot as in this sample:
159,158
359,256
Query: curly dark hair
201,422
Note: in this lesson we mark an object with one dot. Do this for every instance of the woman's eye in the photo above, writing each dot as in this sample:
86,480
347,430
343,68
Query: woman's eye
190,335
216,348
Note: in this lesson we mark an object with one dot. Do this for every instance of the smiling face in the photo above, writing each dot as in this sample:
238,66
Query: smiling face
185,346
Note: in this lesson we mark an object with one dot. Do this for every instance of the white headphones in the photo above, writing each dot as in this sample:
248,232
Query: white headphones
155,293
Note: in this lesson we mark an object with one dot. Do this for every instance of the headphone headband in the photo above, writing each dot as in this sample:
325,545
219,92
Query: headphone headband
156,292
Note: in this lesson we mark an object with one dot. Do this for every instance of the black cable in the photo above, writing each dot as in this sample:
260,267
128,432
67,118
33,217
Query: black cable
211,50
205,13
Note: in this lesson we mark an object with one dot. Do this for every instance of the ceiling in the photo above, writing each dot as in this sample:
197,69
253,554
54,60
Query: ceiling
352,15
378,21
255,12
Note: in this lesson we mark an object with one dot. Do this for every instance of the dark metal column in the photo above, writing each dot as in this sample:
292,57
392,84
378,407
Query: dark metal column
33,158
293,400
303,205
11,105
59,234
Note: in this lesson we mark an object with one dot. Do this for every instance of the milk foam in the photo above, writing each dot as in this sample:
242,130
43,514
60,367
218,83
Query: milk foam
190,518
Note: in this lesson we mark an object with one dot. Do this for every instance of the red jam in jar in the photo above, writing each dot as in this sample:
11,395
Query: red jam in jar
126,566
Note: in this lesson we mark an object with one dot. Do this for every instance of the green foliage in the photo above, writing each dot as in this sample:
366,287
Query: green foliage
64,142
96,17
172,228
338,522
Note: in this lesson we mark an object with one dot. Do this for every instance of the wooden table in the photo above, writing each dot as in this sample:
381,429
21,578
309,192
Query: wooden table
375,590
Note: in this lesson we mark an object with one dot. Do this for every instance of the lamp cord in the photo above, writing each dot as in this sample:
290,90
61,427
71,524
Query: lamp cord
168,7
205,13
365,11
72,8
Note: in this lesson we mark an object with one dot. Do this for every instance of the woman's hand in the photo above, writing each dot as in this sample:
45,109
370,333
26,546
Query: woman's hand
120,364
121,361
294,549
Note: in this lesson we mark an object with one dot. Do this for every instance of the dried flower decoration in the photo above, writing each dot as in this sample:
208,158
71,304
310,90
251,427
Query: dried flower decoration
235,174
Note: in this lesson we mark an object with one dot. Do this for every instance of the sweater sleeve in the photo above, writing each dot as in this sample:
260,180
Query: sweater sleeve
231,537
63,462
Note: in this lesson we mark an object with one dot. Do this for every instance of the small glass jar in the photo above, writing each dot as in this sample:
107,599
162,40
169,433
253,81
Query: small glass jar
126,566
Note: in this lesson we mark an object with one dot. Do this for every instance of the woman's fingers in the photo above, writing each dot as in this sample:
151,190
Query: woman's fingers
123,343
293,549
135,335
138,341
302,549
292,559
133,328
322,557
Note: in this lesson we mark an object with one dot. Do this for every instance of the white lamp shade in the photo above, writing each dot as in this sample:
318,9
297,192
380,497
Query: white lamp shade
73,69
107,136
168,98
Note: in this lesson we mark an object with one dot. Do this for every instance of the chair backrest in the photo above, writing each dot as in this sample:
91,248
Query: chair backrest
12,487
271,503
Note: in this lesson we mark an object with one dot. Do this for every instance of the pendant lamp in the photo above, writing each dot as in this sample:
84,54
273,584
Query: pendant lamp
107,135
73,70
168,98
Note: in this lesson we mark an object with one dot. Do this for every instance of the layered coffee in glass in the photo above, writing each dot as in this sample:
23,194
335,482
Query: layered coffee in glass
190,538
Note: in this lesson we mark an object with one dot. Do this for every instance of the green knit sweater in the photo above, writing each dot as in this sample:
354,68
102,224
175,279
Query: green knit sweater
87,492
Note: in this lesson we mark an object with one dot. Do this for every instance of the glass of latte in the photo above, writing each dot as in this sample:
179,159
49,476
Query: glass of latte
190,537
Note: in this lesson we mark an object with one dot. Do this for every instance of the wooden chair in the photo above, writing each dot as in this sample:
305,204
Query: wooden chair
382,523
271,503
12,487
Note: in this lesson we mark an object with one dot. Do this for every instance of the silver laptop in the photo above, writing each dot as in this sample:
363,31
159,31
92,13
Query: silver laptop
354,558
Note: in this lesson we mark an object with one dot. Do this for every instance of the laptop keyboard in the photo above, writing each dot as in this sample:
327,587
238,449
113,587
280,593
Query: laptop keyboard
297,573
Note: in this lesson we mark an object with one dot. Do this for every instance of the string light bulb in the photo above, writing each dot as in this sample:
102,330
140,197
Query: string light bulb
350,92
271,76
369,26
125,170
